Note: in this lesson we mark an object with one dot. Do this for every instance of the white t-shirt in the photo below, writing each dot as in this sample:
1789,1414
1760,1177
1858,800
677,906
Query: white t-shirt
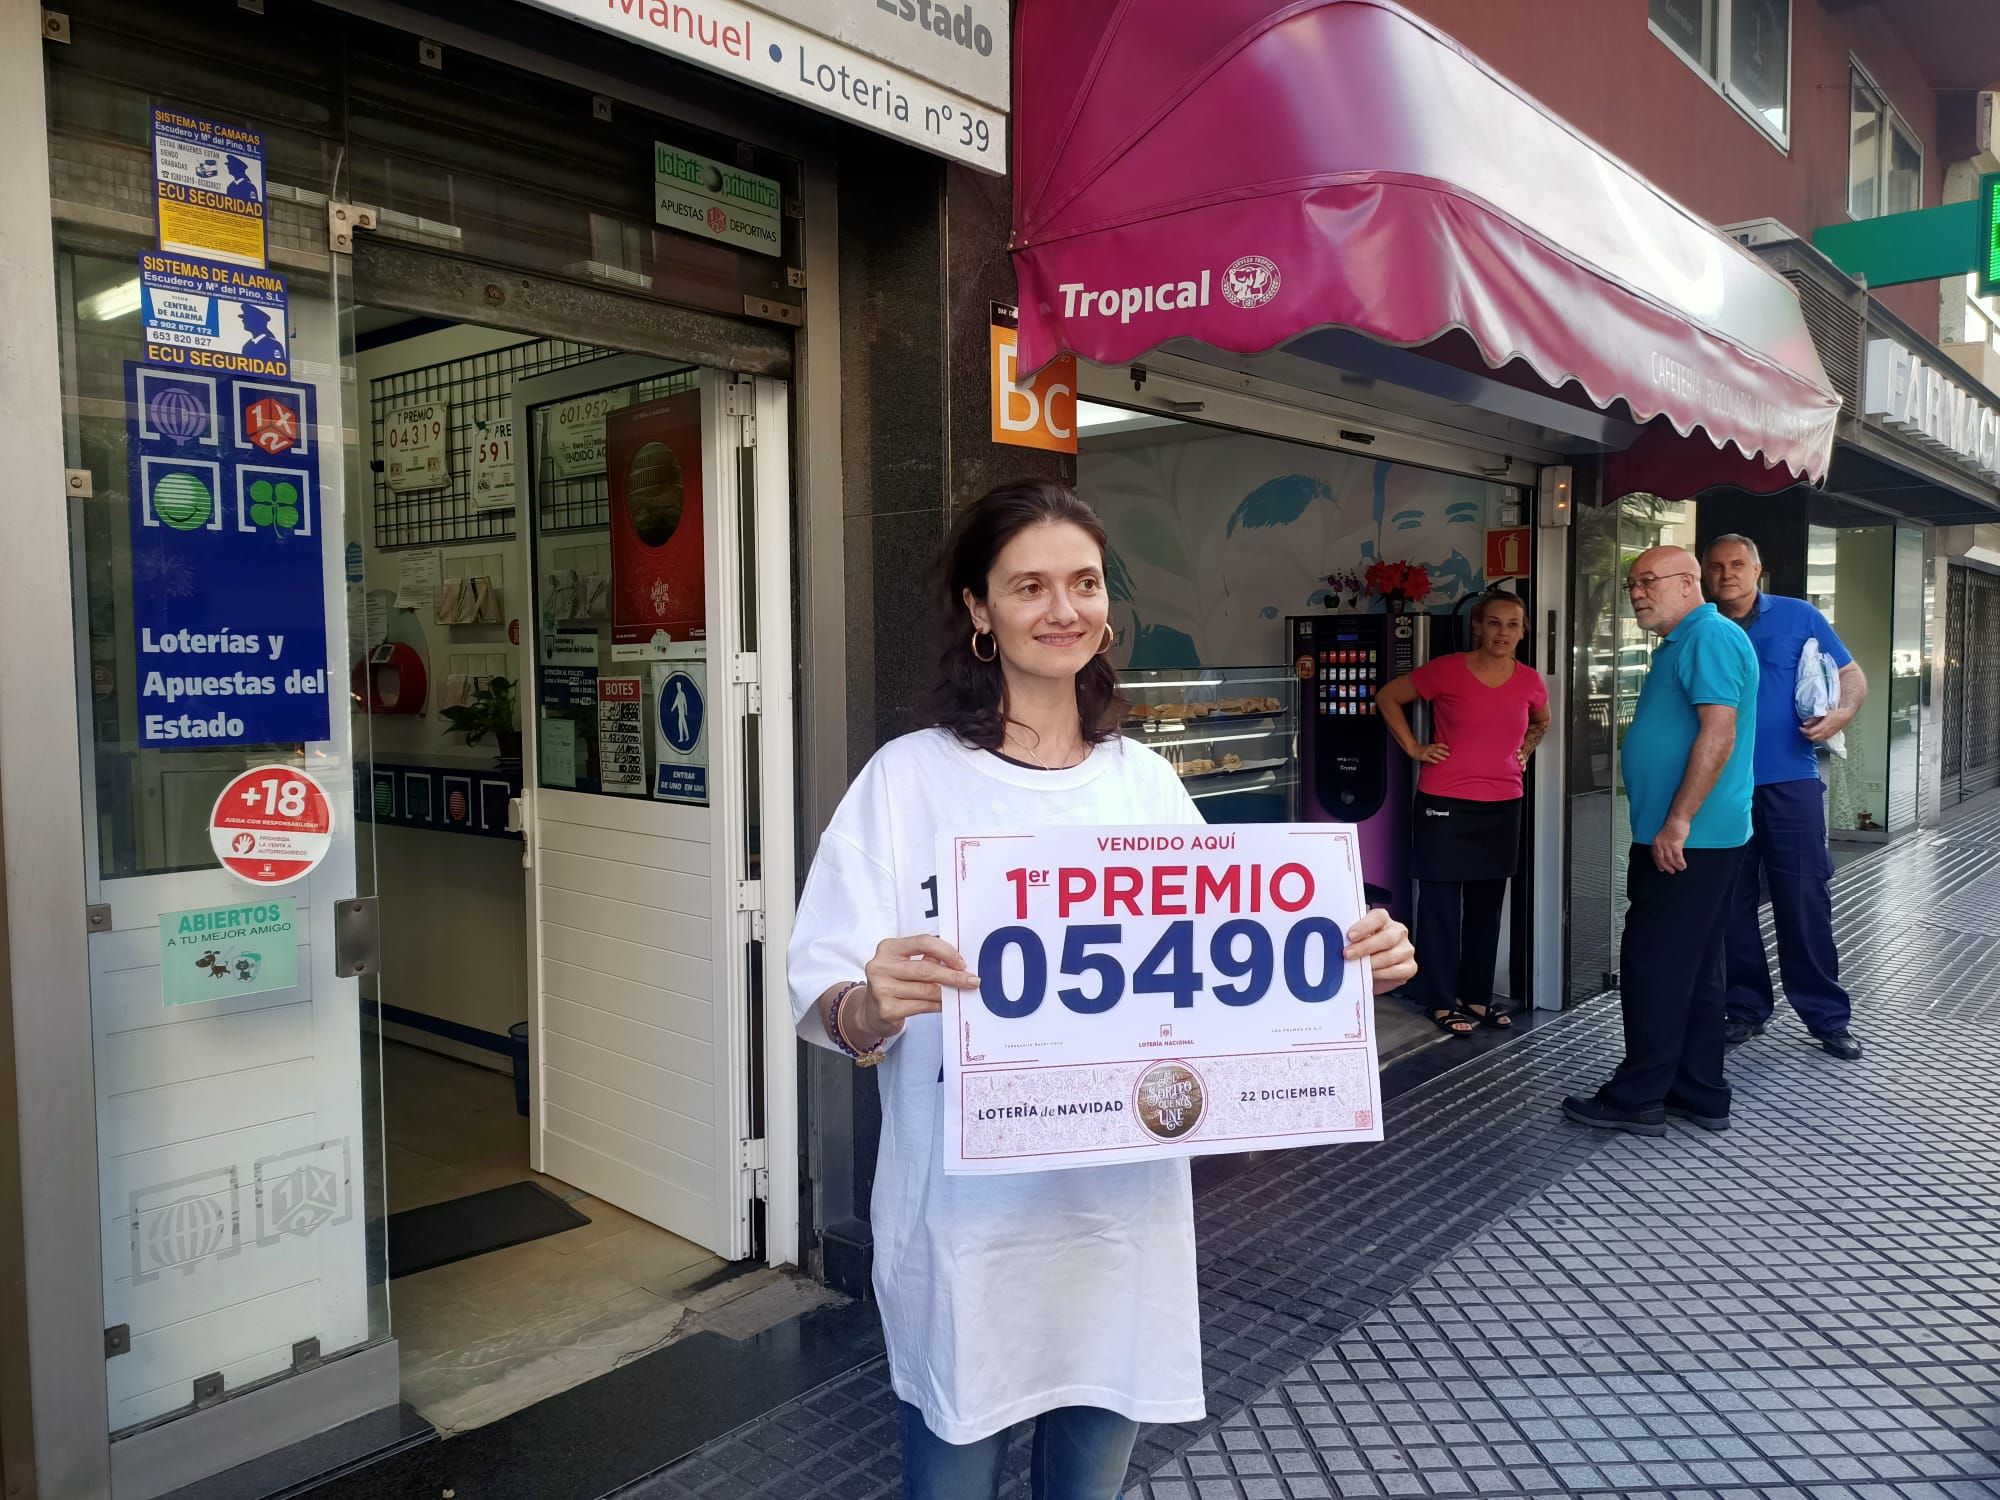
1002,1296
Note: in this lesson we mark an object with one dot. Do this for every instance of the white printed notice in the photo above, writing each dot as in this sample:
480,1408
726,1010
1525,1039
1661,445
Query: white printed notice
493,471
1155,992
417,577
416,447
576,433
621,736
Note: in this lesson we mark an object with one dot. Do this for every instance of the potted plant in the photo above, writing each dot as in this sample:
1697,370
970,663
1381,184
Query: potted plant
489,711
1399,584
1343,588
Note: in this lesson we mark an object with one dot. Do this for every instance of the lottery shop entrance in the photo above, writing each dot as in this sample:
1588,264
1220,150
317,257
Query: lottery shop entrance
564,828
1242,523
469,1102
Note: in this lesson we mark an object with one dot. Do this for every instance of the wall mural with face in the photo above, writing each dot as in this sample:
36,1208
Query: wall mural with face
1217,536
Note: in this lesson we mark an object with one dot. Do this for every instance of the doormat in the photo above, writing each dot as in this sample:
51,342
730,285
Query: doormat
421,1239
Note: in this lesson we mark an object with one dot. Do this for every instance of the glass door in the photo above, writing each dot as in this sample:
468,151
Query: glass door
1643,522
203,356
651,792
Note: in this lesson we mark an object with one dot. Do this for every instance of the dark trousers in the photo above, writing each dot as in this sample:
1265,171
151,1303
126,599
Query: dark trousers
1788,845
1671,983
1458,933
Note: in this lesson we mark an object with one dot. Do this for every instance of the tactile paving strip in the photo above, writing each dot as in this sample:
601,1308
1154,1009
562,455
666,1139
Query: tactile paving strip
1496,1303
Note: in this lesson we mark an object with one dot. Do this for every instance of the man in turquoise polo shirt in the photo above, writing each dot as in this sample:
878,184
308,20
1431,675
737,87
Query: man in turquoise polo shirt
1687,761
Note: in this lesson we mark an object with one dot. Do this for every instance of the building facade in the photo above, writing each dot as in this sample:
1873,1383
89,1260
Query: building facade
498,434
508,440
1773,120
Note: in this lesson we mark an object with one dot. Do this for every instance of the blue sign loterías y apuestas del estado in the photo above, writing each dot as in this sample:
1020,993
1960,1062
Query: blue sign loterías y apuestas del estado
228,593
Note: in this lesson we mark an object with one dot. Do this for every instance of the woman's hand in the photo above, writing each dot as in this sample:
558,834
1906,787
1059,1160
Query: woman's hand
1385,943
1433,754
905,978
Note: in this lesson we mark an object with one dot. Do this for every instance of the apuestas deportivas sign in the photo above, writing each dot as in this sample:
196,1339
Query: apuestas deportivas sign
1919,399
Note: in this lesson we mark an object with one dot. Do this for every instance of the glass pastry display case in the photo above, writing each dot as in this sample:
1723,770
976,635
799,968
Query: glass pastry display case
1230,732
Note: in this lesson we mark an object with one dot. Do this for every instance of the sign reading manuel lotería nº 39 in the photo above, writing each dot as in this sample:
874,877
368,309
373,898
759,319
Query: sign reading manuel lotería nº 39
904,77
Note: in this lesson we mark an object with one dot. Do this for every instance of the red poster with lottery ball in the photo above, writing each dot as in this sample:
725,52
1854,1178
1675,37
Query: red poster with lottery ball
271,825
653,467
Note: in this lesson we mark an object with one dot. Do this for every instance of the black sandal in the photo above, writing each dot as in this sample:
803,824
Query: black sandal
1490,1016
1453,1022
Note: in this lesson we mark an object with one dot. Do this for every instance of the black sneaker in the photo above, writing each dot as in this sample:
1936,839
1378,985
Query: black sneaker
1706,1122
1602,1116
1736,1033
1841,1044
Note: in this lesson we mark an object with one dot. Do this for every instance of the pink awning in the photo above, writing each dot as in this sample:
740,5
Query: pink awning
1239,172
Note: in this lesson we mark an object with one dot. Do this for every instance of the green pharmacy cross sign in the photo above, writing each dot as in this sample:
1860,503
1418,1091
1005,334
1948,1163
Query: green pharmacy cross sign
1926,245
1989,225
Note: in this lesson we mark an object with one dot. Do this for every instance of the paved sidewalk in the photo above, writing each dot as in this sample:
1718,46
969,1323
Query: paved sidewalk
1496,1303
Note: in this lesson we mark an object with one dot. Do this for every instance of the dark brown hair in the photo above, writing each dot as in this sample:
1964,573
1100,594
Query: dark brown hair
969,696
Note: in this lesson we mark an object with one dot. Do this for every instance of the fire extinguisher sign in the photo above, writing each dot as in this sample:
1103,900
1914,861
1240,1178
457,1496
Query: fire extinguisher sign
1508,550
271,826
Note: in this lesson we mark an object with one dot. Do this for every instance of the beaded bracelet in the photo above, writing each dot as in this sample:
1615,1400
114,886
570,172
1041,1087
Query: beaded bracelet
861,1059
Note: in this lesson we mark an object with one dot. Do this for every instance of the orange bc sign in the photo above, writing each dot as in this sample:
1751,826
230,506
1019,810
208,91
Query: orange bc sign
1037,413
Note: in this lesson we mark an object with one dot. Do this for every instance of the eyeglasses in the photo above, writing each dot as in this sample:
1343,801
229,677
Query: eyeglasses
1645,583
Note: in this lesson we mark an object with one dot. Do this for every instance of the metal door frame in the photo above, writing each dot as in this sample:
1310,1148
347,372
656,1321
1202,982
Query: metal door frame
751,928
1971,677
41,788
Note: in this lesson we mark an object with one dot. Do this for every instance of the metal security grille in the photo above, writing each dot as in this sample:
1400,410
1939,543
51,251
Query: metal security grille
477,388
1971,751
584,503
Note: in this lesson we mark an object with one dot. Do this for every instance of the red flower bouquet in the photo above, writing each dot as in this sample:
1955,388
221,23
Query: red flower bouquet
1399,583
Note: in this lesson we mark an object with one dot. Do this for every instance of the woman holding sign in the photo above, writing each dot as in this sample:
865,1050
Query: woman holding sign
1492,711
1064,1297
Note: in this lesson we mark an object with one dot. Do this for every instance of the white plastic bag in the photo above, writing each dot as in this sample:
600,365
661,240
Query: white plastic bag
1817,691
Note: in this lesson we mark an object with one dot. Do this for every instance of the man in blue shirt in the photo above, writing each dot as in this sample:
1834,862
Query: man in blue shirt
1789,815
1687,764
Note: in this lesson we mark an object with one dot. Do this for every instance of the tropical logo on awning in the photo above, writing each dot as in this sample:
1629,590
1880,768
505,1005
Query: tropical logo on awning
1248,282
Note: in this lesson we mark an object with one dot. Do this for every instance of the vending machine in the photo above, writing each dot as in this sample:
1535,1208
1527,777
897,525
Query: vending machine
1350,771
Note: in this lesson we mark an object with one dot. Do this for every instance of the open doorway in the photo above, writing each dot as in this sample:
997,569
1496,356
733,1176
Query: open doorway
482,596
1251,641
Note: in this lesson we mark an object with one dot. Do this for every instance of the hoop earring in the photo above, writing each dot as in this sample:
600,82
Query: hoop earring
1110,639
993,655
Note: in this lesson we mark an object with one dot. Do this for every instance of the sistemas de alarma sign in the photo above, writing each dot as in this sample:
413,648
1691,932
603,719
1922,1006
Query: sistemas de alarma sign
932,74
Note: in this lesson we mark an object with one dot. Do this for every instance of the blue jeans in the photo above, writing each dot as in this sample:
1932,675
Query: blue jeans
1080,1453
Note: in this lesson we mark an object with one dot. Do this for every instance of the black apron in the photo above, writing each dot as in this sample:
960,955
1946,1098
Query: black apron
1457,839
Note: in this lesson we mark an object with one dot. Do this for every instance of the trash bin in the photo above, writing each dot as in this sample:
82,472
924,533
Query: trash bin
517,1034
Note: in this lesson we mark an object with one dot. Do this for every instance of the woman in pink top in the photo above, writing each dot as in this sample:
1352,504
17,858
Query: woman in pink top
1489,711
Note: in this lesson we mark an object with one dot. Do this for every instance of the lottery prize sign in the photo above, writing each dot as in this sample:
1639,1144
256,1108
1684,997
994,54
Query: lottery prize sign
1153,992
271,825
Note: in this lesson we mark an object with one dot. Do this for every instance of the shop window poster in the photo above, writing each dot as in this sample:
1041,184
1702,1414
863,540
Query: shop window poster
653,453
208,188
228,593
1216,537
